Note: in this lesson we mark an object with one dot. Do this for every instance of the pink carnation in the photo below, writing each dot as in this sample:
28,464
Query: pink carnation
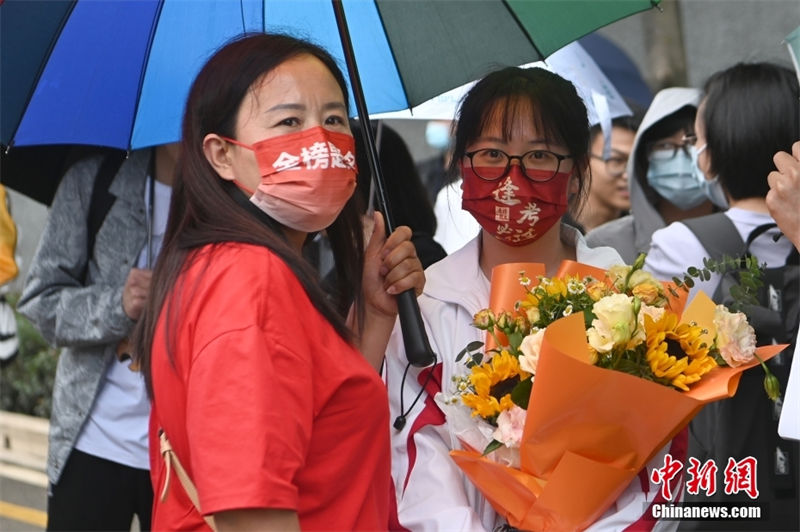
736,339
509,427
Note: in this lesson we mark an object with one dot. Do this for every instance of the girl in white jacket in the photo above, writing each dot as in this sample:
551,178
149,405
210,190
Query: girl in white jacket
521,147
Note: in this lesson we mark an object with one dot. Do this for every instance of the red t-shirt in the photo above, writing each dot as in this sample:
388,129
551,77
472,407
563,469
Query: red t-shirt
265,405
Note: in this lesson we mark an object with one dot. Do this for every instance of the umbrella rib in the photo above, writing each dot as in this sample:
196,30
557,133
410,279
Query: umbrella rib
38,76
241,13
523,28
394,58
145,61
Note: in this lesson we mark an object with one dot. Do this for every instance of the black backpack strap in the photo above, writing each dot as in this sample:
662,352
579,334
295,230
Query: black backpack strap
101,200
717,234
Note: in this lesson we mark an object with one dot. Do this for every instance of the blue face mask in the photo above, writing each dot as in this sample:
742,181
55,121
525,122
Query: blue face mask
674,180
437,135
711,187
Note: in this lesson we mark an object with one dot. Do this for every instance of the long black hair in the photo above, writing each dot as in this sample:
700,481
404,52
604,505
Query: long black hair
206,209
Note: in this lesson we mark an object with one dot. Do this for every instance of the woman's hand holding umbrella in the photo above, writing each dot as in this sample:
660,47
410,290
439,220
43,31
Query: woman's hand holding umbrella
391,267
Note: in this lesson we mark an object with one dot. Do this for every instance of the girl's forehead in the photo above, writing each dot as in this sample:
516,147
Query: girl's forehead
508,117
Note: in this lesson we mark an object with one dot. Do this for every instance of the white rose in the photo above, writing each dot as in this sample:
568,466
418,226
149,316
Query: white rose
736,339
614,324
530,347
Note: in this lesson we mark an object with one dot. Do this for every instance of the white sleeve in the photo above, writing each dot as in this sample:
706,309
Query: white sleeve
789,424
673,250
432,492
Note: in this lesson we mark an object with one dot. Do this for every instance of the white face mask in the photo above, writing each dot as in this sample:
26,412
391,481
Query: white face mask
712,187
437,135
675,181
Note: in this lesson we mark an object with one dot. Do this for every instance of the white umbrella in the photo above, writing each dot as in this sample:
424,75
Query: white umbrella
572,62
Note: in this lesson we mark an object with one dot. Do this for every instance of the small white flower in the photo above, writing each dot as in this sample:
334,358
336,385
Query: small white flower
575,287
568,310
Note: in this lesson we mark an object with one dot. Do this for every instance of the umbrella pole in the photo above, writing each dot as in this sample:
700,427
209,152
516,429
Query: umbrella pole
415,340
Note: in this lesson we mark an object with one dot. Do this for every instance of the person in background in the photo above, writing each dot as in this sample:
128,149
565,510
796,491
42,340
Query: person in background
405,191
9,342
662,180
609,195
732,159
521,147
749,112
264,389
433,171
87,301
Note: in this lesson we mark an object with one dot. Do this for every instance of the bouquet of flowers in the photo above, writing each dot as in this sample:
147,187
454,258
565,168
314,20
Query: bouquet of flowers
613,367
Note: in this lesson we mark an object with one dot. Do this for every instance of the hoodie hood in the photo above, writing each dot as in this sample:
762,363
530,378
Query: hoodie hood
646,218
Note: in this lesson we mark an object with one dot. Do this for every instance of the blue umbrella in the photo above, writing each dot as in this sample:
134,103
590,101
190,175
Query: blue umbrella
116,73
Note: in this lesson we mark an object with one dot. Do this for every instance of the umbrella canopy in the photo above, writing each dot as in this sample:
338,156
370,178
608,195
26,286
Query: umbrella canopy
572,62
116,73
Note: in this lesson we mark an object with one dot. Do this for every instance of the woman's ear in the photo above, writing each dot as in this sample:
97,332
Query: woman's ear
218,154
574,183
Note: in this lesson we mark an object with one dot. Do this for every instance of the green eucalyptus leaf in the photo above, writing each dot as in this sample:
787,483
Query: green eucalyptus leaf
474,346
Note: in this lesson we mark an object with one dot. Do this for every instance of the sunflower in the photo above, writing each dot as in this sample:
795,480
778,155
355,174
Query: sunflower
676,352
492,383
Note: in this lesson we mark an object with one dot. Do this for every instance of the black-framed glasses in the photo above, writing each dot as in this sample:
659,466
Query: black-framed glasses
615,165
491,164
667,150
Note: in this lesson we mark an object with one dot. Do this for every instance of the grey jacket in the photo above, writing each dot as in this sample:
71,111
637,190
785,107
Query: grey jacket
630,235
87,321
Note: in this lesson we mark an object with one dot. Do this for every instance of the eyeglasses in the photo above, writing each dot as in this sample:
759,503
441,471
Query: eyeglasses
665,151
615,165
491,164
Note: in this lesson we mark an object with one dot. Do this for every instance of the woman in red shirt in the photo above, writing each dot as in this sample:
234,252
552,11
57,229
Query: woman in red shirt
255,374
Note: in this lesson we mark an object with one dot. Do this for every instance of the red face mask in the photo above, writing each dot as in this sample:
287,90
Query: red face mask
514,209
306,177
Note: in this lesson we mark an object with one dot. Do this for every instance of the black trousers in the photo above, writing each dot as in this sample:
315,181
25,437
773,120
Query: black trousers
98,494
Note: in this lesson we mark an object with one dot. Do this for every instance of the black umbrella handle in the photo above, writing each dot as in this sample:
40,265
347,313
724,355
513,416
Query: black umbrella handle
418,349
415,340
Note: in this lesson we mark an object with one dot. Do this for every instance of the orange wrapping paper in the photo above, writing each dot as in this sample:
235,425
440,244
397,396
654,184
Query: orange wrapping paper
506,289
589,430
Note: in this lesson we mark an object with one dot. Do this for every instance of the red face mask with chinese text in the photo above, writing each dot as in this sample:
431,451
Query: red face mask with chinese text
306,177
514,209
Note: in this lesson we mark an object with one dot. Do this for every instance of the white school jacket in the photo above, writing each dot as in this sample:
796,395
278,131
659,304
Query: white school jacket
432,492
